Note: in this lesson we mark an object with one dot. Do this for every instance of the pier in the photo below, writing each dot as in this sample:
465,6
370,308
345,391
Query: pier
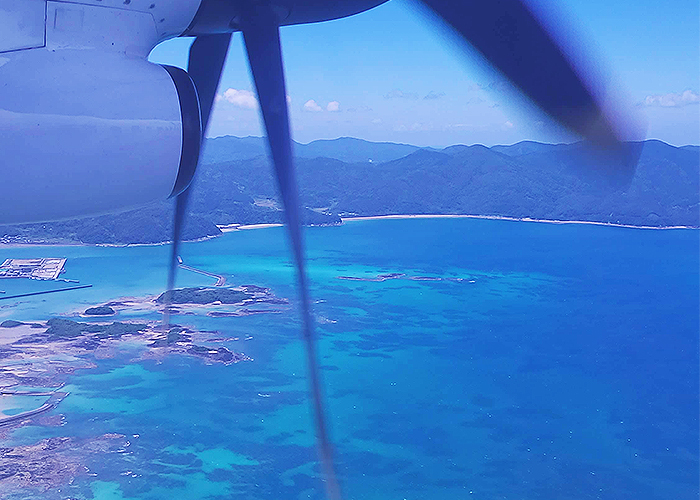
220,280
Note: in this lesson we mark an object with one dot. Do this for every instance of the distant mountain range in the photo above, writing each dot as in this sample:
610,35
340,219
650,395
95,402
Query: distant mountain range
346,149
349,176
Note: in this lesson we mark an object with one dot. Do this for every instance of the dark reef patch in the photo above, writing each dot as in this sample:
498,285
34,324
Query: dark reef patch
52,462
402,276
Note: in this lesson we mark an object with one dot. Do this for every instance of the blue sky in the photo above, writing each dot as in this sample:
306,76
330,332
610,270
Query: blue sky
390,75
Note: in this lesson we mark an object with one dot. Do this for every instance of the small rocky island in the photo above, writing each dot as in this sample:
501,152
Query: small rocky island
193,299
217,301
228,301
201,295
91,336
48,350
43,354
100,311
242,295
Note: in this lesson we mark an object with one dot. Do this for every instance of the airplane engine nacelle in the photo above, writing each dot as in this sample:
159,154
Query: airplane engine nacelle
84,132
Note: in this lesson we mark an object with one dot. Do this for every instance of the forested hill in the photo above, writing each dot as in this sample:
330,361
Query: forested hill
351,176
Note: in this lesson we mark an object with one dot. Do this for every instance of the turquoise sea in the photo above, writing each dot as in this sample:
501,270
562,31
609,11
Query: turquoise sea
564,365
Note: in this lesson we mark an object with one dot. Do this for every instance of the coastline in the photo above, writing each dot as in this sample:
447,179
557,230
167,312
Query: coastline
502,217
108,245
233,227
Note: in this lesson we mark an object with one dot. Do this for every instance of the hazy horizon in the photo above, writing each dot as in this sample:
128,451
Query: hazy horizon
438,146
404,81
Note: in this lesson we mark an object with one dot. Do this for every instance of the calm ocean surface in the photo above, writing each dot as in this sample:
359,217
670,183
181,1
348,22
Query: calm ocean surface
563,366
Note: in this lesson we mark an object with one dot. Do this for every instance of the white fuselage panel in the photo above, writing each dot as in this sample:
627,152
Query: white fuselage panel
105,135
22,24
87,124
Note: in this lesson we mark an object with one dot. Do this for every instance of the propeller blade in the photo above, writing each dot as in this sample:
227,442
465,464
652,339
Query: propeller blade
207,56
261,35
206,61
178,220
511,38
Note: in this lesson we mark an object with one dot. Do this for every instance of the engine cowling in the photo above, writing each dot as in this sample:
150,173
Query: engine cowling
84,132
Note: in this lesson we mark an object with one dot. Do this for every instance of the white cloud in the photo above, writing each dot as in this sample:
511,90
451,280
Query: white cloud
672,100
333,106
507,125
241,98
377,121
311,105
434,95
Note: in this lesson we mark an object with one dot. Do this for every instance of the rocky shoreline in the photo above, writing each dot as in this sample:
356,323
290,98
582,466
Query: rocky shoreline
38,357
54,461
214,301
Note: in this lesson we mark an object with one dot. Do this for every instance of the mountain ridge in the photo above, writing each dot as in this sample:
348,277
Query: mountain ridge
522,180
348,149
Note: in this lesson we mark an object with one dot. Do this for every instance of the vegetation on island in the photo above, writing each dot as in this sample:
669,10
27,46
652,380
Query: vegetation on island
203,295
235,184
10,323
64,329
99,311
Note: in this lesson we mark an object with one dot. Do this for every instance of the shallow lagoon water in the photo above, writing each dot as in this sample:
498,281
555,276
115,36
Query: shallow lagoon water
563,365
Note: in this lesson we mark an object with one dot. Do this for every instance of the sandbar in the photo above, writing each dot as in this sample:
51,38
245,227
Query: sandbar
259,226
